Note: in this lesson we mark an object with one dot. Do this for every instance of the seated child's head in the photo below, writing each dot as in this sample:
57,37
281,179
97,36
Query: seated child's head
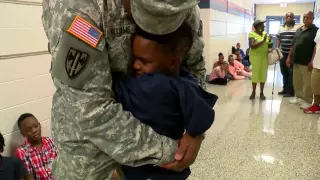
221,57
231,59
29,127
239,57
161,53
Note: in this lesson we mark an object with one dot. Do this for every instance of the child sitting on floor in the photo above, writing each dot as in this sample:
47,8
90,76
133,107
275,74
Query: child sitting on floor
37,152
164,95
237,70
11,168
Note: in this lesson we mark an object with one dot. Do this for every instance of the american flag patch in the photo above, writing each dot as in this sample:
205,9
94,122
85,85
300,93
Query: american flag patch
85,31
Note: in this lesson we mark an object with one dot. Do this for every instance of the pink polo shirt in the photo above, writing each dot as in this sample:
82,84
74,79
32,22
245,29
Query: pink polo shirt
237,67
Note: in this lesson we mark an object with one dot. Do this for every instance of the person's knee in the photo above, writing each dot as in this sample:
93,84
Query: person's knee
217,69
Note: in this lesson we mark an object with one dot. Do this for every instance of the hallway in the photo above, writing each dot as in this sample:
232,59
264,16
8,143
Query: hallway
254,140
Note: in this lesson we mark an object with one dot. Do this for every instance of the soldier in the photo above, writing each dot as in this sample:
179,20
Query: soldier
88,40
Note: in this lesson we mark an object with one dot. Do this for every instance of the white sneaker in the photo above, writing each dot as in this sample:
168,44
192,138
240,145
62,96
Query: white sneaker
305,105
295,100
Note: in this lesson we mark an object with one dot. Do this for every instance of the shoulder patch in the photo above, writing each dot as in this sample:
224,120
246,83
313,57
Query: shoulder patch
85,31
75,62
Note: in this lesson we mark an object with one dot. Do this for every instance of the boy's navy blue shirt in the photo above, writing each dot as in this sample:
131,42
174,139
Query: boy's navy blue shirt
12,168
170,105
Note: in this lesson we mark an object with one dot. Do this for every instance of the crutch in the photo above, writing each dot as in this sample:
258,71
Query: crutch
274,77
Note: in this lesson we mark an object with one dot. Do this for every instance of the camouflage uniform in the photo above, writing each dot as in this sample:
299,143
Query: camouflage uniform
92,132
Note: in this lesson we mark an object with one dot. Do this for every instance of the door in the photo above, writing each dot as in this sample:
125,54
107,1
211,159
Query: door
273,24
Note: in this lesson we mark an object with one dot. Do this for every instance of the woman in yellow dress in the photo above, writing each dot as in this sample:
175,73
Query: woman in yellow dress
259,43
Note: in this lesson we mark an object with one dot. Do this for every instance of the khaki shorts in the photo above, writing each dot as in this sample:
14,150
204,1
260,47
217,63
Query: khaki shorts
315,81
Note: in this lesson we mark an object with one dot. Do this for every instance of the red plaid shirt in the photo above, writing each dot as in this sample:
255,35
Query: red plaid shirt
38,161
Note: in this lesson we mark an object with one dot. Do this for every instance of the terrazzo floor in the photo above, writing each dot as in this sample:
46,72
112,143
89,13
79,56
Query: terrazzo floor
258,140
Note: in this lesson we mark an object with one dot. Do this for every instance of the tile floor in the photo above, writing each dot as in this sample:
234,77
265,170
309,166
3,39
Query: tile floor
254,140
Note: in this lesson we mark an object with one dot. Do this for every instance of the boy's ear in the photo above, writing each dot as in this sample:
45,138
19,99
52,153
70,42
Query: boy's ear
176,62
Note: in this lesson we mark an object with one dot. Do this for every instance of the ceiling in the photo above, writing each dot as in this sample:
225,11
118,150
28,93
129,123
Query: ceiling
281,1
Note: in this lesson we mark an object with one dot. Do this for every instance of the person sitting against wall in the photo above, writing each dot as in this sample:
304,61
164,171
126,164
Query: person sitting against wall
240,50
37,152
219,70
246,60
11,168
237,70
234,52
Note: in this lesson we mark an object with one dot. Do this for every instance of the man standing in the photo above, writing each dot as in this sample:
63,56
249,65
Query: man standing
89,39
301,55
284,42
315,78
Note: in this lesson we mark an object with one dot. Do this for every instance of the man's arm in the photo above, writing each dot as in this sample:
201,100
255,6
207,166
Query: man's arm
278,43
81,73
278,36
288,61
195,60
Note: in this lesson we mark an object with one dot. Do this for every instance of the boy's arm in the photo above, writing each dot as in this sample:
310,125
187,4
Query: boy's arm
196,108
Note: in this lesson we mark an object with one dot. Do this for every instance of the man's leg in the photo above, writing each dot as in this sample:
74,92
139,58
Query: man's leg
306,87
306,80
297,84
285,73
290,89
315,86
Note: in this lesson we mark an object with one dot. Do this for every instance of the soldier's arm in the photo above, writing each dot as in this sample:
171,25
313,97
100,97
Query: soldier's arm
195,60
82,77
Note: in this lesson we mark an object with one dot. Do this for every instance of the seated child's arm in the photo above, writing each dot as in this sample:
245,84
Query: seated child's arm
196,106
231,70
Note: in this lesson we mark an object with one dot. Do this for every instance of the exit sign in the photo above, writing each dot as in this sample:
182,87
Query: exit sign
283,5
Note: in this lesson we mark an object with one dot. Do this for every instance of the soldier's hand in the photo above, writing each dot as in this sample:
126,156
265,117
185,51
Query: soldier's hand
186,153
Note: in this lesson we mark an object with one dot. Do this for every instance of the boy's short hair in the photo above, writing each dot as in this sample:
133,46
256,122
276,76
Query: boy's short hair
178,42
220,54
23,117
1,143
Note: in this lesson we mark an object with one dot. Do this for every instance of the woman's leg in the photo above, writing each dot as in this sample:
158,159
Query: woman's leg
254,87
262,96
256,68
263,76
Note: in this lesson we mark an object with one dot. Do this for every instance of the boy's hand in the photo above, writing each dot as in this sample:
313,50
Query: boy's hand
186,153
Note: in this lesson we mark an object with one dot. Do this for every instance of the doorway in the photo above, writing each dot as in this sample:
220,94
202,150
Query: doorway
273,24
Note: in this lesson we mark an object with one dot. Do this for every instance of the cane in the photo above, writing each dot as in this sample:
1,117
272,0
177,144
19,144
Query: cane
274,77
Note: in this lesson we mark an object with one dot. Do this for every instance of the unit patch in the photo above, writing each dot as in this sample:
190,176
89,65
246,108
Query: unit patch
75,62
